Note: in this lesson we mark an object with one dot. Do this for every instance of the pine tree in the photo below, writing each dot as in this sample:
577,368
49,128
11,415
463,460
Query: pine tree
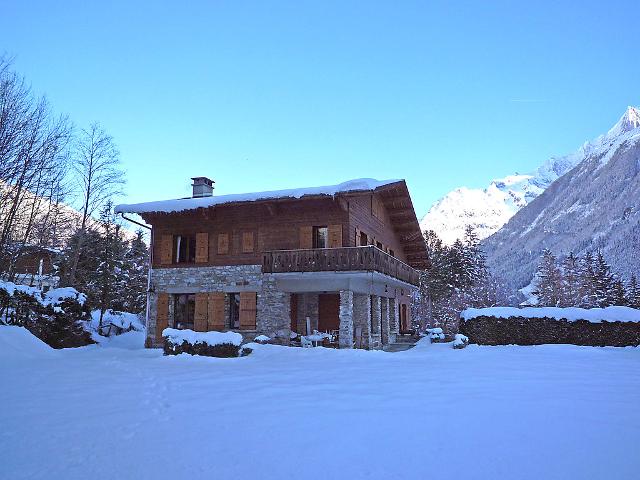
136,262
633,292
587,275
619,294
548,279
604,288
110,283
475,259
570,281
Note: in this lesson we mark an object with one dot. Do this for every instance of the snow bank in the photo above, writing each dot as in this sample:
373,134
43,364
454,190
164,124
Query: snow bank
210,338
594,315
361,184
262,338
57,295
18,342
52,297
123,320
460,340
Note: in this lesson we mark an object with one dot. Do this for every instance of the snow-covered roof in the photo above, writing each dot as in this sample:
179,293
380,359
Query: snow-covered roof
178,205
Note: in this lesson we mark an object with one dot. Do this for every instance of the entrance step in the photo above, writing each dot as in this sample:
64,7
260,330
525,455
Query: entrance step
398,347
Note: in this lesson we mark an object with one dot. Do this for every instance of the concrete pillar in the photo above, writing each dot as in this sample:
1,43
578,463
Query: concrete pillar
346,319
384,320
376,341
362,320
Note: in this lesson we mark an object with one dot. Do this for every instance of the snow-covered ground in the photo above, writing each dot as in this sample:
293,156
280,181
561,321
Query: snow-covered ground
543,412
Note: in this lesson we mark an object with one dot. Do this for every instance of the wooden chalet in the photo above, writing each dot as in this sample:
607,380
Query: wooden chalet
339,259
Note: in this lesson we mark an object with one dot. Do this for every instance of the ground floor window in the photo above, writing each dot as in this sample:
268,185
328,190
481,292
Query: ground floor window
234,310
184,309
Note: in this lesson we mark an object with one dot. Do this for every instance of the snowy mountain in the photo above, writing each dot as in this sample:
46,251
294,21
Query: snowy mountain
596,205
487,210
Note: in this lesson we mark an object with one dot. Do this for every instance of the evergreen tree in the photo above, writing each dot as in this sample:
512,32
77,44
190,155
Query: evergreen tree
570,281
587,276
136,263
633,292
548,280
619,294
108,287
604,282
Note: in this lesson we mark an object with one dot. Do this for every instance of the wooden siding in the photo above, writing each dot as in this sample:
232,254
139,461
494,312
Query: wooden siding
162,315
378,227
215,317
273,227
248,310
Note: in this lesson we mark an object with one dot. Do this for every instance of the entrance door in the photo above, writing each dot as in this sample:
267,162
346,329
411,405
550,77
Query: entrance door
403,318
328,312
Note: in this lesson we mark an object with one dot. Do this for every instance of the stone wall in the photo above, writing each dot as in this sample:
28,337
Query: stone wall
537,331
362,320
376,321
273,306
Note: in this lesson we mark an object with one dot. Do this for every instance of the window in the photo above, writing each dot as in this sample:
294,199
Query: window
392,253
184,309
364,241
379,245
184,248
320,237
234,310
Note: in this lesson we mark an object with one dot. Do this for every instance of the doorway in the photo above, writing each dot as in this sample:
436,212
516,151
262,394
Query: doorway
328,312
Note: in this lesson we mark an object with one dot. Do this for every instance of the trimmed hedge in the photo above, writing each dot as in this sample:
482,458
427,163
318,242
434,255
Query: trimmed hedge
486,330
222,350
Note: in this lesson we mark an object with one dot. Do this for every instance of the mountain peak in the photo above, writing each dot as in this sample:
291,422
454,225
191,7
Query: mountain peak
629,121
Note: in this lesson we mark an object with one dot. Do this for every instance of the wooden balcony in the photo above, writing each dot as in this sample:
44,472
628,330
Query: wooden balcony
345,259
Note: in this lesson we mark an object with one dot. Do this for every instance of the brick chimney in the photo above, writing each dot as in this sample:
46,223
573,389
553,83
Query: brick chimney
202,187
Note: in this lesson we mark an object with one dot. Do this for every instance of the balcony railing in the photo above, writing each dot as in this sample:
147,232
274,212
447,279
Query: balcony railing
369,258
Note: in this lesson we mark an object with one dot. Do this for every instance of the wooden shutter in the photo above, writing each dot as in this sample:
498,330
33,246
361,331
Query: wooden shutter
166,249
335,236
223,243
248,310
162,315
306,237
247,242
216,311
202,247
200,315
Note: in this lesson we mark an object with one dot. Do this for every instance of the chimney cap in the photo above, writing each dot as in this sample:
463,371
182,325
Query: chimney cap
202,181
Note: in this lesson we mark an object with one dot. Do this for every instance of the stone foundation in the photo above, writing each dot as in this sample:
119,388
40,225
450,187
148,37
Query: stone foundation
346,319
273,305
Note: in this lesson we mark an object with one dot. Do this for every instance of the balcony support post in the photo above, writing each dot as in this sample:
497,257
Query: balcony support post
346,319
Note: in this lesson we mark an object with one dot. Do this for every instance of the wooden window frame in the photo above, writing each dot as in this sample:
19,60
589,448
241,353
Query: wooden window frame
316,229
189,322
189,241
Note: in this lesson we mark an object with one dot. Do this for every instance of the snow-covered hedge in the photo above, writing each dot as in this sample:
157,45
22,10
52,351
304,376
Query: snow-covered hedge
571,314
114,322
211,344
54,316
613,326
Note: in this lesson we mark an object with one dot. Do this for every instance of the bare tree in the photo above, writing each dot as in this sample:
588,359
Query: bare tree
33,160
96,164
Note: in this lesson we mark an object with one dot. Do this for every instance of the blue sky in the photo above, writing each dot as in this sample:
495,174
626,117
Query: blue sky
270,95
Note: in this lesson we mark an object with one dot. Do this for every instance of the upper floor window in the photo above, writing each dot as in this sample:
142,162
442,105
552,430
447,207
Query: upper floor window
184,248
364,240
320,237
379,245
